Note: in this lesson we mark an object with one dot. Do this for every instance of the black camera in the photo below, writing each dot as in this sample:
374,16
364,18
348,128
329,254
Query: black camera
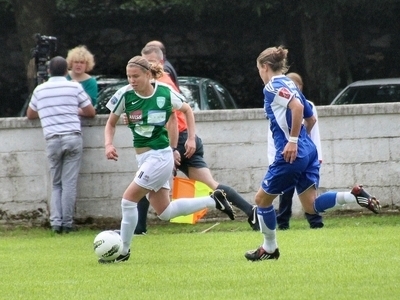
44,50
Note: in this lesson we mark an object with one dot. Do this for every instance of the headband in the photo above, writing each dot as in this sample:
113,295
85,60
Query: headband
140,65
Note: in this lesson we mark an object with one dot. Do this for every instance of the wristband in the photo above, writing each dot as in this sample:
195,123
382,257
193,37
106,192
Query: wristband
174,149
293,139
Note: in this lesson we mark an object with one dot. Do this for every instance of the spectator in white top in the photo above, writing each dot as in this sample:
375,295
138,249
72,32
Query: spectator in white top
286,200
59,103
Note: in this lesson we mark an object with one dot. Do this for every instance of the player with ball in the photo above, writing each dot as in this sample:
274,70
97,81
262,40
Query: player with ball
148,105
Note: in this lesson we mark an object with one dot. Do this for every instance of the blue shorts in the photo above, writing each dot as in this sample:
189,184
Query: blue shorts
301,174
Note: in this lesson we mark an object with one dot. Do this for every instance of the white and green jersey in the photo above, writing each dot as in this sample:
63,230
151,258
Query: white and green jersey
147,115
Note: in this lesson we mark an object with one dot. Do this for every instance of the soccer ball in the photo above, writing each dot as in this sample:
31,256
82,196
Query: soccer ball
107,245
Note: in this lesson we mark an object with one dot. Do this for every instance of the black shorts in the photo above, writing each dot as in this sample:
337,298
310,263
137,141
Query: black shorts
196,160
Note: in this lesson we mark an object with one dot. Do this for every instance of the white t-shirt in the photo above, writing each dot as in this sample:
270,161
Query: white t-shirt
57,102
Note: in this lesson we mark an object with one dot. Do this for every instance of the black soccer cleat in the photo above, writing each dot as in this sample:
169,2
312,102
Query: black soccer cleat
222,203
261,254
121,258
253,219
366,200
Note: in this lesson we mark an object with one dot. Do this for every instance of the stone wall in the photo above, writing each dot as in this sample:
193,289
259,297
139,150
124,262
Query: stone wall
360,144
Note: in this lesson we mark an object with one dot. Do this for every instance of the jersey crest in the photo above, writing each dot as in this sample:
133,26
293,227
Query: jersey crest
161,102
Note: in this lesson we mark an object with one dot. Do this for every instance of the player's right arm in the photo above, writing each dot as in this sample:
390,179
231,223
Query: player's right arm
117,107
109,132
179,103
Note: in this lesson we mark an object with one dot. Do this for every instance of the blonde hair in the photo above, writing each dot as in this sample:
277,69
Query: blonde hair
275,57
81,53
142,63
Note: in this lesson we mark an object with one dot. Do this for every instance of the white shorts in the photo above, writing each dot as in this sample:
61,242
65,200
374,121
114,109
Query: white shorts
154,169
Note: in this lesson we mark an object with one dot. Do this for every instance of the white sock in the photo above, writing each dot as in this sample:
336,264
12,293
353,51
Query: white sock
128,223
345,197
186,206
270,243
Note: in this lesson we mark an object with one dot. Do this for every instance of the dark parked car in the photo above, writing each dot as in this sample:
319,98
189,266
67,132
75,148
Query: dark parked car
206,94
201,94
370,91
104,81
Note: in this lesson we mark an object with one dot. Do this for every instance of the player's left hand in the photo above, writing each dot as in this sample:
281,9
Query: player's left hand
177,158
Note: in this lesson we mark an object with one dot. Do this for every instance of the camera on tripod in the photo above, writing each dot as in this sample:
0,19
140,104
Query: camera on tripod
45,48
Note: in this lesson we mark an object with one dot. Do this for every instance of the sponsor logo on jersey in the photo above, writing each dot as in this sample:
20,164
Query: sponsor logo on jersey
157,117
135,116
160,102
284,93
134,102
114,100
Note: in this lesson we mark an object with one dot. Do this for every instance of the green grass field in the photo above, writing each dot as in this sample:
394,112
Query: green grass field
351,258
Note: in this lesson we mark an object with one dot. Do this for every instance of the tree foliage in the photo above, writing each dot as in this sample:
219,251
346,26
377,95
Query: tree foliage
327,40
75,7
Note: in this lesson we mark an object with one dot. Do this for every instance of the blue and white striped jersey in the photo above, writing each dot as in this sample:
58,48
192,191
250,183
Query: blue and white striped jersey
278,92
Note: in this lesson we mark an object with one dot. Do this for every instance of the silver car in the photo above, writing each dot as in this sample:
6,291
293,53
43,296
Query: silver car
370,91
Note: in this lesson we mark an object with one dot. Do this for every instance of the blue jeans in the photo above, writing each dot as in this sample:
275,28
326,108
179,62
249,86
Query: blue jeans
285,212
64,153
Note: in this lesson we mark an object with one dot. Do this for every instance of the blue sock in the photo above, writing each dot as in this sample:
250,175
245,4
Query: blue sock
268,215
325,201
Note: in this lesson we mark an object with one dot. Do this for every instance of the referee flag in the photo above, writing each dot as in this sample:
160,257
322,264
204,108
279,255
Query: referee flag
188,188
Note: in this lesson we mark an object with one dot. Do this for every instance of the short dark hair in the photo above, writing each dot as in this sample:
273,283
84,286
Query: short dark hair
58,66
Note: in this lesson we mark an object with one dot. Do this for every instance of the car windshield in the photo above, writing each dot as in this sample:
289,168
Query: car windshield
212,98
370,94
106,95
226,98
192,95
